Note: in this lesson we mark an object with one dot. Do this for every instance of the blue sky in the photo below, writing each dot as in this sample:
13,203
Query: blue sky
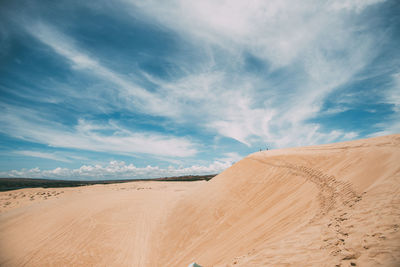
136,89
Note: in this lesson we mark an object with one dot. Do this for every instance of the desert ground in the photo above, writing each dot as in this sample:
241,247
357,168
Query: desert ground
327,205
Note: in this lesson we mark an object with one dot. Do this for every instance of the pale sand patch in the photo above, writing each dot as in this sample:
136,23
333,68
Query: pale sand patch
331,205
102,225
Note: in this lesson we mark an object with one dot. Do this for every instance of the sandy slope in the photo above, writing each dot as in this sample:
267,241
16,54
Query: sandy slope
314,206
102,225
331,205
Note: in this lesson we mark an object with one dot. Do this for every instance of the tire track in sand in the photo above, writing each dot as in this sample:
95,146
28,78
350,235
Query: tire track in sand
336,198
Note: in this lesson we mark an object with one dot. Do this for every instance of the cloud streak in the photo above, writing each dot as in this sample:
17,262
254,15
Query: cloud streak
319,38
66,47
88,136
43,155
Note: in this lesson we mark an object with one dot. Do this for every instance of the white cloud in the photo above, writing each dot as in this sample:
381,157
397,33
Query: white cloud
350,136
310,134
353,5
316,38
391,96
136,96
335,110
387,128
278,30
44,155
230,157
118,170
86,135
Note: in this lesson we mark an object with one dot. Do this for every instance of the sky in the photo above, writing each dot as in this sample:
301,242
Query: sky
138,89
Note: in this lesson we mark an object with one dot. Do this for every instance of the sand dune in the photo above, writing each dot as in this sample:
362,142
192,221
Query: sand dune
329,205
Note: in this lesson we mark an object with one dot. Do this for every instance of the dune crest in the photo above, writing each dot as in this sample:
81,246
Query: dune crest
328,205
325,205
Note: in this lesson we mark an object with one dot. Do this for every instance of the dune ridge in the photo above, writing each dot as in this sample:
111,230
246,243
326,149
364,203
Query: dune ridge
323,205
327,205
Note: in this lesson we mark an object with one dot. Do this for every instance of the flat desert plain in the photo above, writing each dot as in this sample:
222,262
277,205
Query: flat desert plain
327,205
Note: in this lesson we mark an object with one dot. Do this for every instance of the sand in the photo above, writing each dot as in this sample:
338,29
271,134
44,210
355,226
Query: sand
328,205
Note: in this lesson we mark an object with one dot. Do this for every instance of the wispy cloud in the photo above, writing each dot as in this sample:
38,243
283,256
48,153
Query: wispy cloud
354,5
86,135
392,97
279,31
63,45
318,39
43,155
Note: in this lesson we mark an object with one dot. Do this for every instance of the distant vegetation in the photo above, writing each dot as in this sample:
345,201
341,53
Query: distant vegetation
18,183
